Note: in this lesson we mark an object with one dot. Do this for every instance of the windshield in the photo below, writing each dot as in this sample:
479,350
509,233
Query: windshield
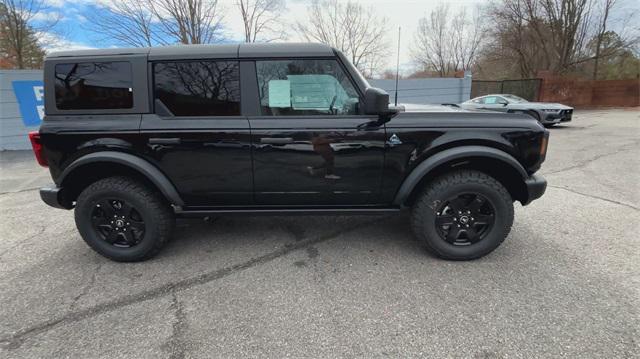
514,98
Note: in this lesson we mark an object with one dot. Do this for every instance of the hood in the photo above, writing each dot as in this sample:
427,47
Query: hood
542,106
416,107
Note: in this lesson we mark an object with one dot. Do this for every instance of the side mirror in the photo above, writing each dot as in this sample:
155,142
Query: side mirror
376,101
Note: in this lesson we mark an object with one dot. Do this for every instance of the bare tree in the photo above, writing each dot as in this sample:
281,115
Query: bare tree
351,28
558,35
188,21
128,22
158,22
446,43
261,19
19,34
602,30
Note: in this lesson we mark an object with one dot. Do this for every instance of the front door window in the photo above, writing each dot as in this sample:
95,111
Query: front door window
305,87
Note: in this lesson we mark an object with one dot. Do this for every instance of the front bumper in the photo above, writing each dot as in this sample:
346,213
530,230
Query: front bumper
536,186
562,116
53,196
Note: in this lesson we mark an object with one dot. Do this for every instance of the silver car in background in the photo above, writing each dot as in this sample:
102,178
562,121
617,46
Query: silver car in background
547,113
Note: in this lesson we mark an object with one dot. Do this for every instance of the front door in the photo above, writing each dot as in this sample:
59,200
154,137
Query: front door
311,145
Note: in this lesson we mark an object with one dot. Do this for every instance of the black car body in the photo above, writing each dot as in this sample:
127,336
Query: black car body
261,128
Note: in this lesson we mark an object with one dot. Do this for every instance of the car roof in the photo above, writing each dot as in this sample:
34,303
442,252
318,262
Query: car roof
244,50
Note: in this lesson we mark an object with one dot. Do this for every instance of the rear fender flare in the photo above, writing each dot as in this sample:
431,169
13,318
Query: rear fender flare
136,163
426,166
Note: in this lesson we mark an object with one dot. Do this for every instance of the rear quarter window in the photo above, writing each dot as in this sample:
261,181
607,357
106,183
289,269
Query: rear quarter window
93,85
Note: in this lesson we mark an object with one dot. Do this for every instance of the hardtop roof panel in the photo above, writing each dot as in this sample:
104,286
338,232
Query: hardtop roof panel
284,50
229,51
100,52
252,50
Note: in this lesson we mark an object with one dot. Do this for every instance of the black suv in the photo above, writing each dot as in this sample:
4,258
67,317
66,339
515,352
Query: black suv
136,137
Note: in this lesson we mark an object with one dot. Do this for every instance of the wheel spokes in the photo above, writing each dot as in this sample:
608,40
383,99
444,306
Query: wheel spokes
483,219
111,237
465,219
107,208
117,222
444,220
453,234
129,237
457,204
472,234
476,204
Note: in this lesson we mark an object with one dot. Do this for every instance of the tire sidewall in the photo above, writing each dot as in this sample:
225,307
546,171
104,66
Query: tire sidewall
503,214
83,211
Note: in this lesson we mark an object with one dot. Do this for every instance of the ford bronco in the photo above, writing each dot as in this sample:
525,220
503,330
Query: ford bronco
134,138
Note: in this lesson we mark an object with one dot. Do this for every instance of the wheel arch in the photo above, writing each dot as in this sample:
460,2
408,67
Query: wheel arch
496,163
94,166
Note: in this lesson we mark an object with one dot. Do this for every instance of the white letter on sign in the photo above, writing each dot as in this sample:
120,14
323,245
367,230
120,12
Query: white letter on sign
39,91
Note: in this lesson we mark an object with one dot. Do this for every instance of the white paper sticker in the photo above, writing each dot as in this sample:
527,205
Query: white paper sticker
279,93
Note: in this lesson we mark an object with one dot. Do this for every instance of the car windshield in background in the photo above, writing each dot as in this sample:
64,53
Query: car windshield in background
513,98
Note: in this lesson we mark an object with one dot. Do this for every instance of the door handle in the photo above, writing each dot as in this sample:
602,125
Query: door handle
276,140
164,141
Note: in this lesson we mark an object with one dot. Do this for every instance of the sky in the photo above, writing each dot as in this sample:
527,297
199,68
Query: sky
72,31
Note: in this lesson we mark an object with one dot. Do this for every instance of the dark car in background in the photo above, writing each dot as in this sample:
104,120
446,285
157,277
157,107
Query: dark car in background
547,113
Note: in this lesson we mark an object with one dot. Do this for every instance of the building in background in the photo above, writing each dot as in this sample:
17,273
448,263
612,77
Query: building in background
21,107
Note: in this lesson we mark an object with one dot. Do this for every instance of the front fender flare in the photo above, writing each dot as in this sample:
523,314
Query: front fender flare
423,169
136,163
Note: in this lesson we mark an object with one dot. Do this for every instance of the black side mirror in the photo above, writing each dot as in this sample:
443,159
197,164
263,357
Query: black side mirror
376,101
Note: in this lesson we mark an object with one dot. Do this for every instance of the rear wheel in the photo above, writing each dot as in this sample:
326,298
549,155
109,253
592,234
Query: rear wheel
123,220
463,215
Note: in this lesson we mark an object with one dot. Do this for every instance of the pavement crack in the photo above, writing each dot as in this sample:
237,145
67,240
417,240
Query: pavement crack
86,287
596,197
40,231
21,190
175,345
586,162
15,340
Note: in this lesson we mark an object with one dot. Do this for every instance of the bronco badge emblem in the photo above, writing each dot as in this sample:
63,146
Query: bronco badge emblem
394,140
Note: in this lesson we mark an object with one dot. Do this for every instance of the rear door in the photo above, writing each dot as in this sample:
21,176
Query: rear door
196,133
311,144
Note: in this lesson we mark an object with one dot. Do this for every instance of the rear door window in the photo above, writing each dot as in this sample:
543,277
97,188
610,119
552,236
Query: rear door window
198,88
93,85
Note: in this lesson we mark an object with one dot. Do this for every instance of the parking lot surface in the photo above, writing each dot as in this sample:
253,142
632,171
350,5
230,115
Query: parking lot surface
565,283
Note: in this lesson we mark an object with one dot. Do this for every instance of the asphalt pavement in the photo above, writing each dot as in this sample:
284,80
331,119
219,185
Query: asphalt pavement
565,283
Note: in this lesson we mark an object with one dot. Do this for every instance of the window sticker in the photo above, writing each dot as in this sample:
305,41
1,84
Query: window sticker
280,93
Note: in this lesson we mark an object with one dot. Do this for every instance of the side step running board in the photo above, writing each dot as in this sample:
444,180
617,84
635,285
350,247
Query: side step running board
191,212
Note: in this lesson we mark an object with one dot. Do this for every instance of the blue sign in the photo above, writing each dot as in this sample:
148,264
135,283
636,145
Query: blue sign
30,95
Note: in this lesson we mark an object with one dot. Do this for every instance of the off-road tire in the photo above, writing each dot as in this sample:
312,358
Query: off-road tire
426,205
157,214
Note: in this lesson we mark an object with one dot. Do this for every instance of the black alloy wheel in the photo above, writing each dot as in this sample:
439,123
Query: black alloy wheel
463,214
123,219
465,219
118,223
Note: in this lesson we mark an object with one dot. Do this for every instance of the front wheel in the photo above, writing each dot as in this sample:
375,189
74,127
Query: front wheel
463,215
123,220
